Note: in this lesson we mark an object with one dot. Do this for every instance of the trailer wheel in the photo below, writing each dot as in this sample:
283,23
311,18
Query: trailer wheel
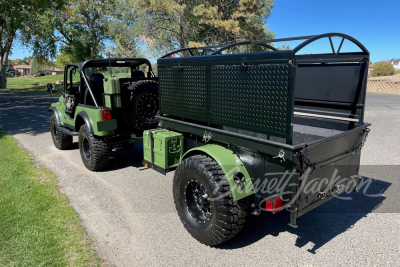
95,153
205,203
61,140
140,108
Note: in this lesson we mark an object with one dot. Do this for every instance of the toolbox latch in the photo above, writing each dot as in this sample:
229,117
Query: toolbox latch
243,67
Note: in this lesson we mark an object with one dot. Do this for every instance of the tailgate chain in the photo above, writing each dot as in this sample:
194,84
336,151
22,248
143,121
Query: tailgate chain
358,149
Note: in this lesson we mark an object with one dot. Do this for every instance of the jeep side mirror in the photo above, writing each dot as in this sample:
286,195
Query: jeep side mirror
51,88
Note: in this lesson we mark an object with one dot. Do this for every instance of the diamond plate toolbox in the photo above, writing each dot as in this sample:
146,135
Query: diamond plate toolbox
256,99
183,92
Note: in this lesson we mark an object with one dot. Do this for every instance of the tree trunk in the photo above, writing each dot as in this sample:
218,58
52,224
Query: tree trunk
4,62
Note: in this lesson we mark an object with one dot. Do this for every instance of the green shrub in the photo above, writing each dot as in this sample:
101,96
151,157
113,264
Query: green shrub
382,69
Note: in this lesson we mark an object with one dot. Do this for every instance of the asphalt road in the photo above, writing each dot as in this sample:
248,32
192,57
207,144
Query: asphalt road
129,213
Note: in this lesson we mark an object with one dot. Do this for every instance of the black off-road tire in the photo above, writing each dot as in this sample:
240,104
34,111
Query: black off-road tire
61,140
141,106
226,216
95,153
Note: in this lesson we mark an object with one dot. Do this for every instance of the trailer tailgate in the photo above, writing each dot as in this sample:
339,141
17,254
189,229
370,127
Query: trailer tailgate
329,167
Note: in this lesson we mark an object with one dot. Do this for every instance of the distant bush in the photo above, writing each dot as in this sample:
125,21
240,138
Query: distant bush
382,69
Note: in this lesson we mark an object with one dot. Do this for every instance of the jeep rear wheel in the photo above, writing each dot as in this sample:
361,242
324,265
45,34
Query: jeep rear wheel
205,203
95,153
61,140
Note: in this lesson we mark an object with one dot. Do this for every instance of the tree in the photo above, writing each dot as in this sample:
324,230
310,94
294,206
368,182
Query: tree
175,24
123,31
227,21
168,24
18,61
79,30
10,72
19,17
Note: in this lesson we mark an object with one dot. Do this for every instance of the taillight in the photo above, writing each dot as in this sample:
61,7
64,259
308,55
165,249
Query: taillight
274,205
106,114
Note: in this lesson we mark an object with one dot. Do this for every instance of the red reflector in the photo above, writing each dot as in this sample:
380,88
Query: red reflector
106,114
275,205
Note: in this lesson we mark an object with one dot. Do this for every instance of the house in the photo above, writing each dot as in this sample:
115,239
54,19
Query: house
55,71
22,70
396,63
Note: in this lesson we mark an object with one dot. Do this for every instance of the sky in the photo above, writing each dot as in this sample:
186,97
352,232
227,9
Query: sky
376,24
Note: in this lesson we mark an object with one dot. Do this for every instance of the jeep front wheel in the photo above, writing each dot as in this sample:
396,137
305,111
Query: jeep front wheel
61,140
205,203
95,153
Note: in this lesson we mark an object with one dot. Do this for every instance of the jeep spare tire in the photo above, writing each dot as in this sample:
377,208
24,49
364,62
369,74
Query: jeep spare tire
140,108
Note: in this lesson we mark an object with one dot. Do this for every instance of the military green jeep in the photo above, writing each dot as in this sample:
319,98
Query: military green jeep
104,112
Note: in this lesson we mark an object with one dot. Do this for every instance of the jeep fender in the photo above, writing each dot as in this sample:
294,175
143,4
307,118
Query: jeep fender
82,116
233,168
56,114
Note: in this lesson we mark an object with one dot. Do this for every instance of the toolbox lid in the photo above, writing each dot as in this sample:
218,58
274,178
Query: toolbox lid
164,133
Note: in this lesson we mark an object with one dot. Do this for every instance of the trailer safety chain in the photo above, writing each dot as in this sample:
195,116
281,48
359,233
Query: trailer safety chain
358,149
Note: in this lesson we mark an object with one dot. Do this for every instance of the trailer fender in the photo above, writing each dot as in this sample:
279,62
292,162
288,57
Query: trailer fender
233,168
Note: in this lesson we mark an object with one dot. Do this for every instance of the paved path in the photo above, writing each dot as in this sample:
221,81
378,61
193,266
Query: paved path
128,210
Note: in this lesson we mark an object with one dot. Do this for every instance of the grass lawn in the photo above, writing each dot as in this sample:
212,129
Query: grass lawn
43,80
29,89
37,85
38,227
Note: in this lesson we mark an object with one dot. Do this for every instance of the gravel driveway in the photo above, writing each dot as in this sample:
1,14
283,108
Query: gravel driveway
129,213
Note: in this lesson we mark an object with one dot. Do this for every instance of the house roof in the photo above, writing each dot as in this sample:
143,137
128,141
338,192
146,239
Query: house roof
22,66
55,69
114,62
395,59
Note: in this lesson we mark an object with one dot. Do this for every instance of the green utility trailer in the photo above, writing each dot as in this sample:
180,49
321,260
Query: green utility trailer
260,131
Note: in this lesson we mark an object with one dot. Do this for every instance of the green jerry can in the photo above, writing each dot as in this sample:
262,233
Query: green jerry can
112,93
162,148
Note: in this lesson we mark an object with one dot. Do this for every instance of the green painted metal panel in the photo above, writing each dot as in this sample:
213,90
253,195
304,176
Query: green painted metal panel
100,127
95,116
112,90
230,164
107,125
167,148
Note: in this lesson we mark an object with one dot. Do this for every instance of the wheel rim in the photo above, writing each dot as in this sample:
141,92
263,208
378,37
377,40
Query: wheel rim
55,133
147,105
86,148
198,201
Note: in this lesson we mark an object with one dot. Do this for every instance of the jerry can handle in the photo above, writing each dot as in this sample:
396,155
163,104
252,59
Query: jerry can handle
177,151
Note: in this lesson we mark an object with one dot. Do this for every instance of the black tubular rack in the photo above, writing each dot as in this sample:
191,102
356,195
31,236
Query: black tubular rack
267,92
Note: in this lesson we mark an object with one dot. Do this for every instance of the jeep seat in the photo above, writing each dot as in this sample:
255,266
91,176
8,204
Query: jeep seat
138,74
